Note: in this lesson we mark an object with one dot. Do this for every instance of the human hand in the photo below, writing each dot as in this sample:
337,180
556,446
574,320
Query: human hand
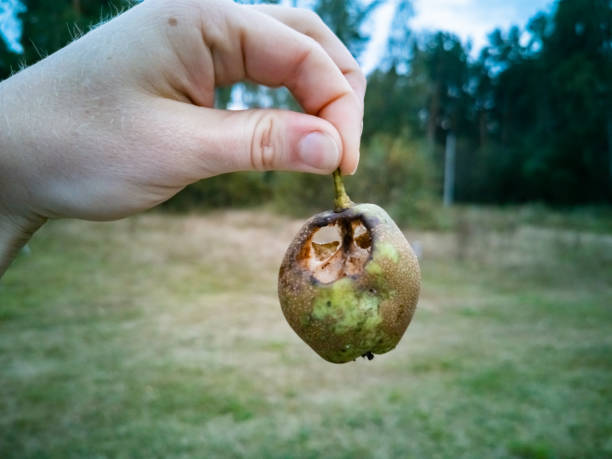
122,119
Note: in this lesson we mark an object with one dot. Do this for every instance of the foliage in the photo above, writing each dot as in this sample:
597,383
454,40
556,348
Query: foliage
48,26
238,189
395,172
534,120
347,20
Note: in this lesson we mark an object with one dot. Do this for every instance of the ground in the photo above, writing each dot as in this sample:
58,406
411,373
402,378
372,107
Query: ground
162,336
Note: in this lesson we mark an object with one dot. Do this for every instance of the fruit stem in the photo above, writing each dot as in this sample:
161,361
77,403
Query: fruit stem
342,201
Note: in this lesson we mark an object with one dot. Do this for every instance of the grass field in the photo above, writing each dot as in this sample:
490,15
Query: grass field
161,336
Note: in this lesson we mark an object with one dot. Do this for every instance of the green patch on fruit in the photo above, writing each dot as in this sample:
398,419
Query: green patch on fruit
347,308
374,268
382,290
386,249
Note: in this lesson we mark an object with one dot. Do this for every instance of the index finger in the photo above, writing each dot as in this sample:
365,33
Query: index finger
274,54
310,24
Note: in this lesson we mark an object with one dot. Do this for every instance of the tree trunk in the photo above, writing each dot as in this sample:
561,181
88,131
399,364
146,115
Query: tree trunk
483,128
432,122
449,169
76,6
610,149
505,121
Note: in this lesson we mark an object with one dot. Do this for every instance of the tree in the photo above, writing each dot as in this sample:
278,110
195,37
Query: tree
551,105
48,26
346,20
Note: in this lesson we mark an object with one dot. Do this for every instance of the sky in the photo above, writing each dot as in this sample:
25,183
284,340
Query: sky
469,19
10,28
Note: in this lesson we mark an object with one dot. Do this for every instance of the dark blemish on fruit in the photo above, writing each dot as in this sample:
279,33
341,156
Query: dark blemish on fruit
172,22
368,355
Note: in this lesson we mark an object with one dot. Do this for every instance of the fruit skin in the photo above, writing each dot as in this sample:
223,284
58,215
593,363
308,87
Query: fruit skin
359,314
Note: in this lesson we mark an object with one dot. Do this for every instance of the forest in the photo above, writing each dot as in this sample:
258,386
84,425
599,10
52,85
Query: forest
527,120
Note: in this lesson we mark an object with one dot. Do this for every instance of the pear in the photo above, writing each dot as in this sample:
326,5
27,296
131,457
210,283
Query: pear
349,282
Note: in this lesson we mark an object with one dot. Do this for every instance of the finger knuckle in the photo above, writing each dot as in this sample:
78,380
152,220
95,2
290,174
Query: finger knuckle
264,148
309,15
317,20
313,46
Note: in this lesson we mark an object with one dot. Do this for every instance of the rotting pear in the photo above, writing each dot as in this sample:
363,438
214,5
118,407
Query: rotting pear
349,282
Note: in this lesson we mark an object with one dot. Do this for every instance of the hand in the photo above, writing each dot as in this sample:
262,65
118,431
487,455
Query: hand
122,119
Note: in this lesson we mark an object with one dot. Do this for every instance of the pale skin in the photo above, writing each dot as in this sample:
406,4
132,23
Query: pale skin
122,119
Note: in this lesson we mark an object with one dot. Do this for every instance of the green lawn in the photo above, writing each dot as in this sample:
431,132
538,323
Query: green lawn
161,336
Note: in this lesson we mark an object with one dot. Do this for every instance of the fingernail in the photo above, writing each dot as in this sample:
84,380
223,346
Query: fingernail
319,150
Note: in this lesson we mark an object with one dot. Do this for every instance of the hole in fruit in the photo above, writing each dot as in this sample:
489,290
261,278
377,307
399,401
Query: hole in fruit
325,242
328,234
337,250
361,236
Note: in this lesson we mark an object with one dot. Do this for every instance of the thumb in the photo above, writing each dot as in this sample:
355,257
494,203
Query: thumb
227,141
275,140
